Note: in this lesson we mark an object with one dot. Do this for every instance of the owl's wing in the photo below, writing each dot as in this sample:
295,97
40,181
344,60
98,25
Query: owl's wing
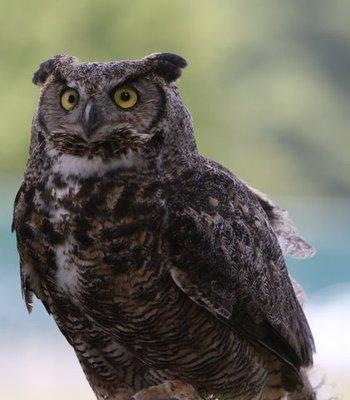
225,256
290,240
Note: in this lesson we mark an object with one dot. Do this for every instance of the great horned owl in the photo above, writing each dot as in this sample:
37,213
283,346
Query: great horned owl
163,270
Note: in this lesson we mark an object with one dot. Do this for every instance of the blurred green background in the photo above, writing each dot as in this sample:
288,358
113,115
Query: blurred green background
268,85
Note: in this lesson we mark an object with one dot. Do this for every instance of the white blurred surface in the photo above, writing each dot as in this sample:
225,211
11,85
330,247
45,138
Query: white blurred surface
329,317
41,368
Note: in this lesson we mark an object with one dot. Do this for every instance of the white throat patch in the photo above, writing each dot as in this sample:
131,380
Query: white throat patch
70,165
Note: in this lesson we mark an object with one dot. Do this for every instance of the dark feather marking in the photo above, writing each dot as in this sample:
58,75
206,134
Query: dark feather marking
52,235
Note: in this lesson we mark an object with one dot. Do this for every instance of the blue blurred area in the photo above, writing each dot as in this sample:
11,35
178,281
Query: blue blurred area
325,222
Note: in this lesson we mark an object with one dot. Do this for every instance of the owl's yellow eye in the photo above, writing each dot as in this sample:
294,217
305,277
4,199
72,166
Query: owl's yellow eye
125,96
69,99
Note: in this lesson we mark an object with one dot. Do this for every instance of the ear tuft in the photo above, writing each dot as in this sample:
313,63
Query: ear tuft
168,65
47,67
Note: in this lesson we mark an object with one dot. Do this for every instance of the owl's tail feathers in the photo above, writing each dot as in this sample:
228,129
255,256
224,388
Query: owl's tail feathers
315,387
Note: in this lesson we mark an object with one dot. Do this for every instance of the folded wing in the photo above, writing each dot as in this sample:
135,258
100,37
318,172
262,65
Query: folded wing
225,256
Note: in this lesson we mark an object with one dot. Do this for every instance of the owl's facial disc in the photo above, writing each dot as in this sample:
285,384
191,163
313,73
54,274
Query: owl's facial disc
107,120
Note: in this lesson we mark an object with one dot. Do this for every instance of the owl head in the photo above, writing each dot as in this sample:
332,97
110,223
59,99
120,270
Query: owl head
111,109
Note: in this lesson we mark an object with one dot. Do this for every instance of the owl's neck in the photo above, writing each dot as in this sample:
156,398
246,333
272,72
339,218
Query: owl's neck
170,151
158,158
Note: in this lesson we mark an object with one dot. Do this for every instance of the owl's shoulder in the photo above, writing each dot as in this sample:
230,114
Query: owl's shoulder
210,186
210,183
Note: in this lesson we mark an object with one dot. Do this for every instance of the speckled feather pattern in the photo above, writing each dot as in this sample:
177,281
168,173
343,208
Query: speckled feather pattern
157,264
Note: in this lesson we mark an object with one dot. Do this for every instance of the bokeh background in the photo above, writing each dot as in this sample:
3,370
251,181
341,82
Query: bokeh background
268,84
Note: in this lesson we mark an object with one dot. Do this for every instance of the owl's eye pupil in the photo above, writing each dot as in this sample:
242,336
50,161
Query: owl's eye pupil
71,99
125,96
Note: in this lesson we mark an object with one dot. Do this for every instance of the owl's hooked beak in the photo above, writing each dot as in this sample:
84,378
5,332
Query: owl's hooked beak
90,118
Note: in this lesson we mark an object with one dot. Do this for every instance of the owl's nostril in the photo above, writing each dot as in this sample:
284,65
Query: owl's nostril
91,118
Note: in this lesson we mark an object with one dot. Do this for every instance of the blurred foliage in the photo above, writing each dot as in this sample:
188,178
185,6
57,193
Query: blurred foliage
268,83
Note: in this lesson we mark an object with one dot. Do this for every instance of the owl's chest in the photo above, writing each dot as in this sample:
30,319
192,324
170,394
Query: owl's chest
105,238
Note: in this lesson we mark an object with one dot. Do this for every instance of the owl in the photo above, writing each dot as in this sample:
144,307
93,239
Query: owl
162,269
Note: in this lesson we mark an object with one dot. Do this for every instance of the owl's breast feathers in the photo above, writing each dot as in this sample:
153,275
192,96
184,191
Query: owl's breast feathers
75,235
112,247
